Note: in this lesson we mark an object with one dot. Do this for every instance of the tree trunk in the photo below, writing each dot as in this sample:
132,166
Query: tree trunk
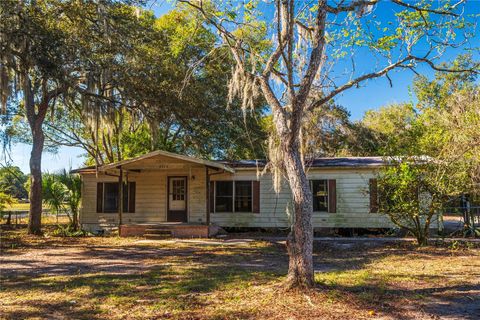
300,239
422,239
9,218
35,214
75,220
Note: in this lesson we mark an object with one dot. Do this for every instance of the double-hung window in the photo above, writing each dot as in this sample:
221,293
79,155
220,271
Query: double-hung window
320,194
243,196
224,196
108,197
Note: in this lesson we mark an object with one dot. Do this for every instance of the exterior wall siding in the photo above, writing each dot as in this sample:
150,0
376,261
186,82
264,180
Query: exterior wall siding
353,207
151,197
353,202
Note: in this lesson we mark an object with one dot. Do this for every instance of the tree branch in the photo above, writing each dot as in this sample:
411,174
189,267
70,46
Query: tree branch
400,63
356,5
423,9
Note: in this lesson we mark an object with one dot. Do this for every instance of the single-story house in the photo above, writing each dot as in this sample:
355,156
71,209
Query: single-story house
162,190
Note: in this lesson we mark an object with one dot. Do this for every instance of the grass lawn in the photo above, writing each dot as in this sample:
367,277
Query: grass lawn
46,219
131,278
18,207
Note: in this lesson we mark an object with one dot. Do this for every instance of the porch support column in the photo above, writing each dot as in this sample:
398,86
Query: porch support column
120,198
207,182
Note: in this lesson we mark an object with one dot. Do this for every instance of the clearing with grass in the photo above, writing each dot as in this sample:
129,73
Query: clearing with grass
131,278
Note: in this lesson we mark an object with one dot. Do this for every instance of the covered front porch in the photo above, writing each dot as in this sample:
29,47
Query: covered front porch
159,191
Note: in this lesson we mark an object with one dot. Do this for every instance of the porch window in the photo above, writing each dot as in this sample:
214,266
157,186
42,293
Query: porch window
233,196
107,197
110,197
320,194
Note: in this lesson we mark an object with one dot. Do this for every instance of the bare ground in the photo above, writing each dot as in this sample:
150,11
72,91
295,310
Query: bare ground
117,278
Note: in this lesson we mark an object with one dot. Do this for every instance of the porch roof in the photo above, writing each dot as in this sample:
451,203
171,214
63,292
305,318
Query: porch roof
153,154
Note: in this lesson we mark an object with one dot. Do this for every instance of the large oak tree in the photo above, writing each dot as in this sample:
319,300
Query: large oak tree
299,55
46,47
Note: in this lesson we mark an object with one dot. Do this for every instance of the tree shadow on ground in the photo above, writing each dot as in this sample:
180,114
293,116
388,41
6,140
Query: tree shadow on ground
345,256
430,295
161,278
181,276
450,301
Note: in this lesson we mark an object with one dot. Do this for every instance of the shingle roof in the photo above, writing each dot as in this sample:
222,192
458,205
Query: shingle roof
338,162
348,162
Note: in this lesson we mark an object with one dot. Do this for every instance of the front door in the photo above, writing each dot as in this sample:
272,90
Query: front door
177,199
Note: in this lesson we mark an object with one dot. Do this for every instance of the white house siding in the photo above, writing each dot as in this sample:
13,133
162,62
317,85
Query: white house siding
151,205
353,202
151,197
274,208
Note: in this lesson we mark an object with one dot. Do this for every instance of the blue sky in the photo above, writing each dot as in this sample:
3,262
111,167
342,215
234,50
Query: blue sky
372,95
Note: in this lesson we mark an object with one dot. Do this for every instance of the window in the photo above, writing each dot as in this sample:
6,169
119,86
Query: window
110,197
178,190
243,196
223,196
233,196
320,194
107,197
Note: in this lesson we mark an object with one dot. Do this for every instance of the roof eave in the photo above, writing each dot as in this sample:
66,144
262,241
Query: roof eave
167,154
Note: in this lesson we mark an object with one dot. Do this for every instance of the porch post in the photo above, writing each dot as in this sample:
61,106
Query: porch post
120,198
207,181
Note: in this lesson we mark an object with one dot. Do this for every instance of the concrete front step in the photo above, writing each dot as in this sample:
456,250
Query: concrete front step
157,236
157,233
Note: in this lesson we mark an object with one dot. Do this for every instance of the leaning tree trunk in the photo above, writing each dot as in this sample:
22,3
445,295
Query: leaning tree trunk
35,214
300,239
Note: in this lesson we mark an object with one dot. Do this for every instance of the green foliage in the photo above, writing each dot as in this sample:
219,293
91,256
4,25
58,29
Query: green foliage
435,93
328,132
173,97
73,187
412,191
395,129
6,200
62,194
12,182
68,231
443,124
54,192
